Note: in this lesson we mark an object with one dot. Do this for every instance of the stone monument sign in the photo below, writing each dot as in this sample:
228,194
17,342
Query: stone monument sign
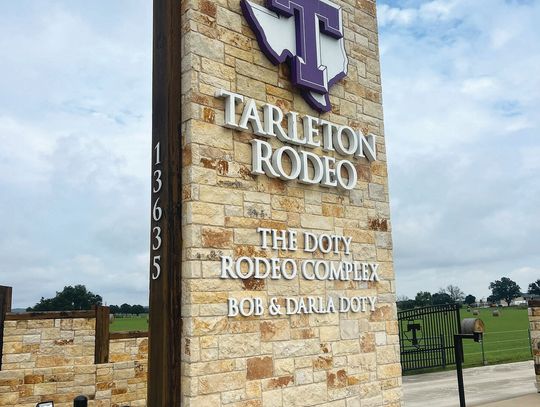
272,281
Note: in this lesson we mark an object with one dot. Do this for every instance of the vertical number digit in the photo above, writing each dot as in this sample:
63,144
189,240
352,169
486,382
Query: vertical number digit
156,211
157,272
157,244
158,153
159,183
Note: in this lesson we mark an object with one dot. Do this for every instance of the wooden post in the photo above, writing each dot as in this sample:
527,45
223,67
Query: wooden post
5,307
101,351
165,327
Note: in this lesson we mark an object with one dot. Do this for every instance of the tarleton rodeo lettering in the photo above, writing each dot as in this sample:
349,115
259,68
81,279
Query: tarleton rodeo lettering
292,162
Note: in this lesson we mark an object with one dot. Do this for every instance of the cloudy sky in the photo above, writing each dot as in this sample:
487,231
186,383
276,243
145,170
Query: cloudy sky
461,94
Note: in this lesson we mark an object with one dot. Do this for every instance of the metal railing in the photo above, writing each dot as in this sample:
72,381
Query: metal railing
426,336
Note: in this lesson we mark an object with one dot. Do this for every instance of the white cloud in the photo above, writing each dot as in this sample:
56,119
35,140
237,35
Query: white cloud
482,87
75,133
431,11
461,128
437,9
389,15
29,154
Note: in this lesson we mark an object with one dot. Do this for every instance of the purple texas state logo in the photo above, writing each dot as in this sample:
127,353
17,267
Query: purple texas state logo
309,35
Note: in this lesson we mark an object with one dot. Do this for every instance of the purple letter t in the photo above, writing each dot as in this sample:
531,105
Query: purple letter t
311,17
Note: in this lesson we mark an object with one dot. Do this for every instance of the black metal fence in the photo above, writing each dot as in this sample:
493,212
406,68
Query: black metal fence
426,336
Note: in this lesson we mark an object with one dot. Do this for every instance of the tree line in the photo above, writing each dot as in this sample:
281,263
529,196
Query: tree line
75,298
78,297
126,309
449,295
504,289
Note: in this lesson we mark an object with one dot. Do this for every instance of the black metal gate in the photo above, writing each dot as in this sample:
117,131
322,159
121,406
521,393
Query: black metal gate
426,336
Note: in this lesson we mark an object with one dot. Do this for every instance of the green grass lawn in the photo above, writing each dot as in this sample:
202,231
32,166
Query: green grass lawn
132,323
506,338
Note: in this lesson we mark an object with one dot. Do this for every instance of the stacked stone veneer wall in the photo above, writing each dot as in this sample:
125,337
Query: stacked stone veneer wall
53,359
48,342
106,385
534,320
127,349
331,360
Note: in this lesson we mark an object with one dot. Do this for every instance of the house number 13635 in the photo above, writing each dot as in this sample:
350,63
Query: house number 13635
157,213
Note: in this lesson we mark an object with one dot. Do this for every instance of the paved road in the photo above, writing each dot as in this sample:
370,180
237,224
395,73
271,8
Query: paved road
531,400
482,385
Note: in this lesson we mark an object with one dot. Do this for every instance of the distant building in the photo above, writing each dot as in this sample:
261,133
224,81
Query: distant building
521,300
529,297
518,301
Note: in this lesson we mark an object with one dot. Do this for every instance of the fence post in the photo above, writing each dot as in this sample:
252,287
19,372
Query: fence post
5,307
101,352
443,349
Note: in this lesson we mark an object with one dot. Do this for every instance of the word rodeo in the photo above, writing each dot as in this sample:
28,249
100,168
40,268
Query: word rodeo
260,268
310,269
291,162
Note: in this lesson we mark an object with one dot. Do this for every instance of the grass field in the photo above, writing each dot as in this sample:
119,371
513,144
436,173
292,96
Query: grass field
133,323
506,339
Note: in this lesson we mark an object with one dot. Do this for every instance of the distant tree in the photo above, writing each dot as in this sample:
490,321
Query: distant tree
125,309
455,293
441,298
115,309
409,304
534,288
405,303
504,289
137,310
423,298
470,299
70,298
